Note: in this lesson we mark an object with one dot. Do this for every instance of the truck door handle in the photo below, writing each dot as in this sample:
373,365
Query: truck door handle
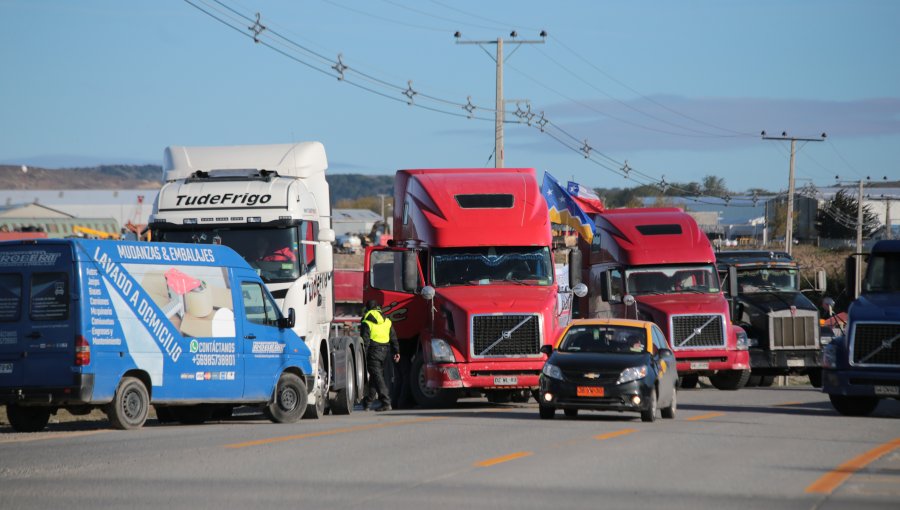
34,334
250,337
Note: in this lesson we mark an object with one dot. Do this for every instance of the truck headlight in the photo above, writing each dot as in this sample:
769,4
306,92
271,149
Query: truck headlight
829,356
441,351
743,342
552,371
632,374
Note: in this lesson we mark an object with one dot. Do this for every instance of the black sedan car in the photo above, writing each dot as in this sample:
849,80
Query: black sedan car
609,365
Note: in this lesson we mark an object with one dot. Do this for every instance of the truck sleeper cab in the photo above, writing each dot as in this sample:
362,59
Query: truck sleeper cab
123,325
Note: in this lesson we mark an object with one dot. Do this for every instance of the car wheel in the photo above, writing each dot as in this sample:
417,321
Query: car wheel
28,419
316,410
669,412
289,401
130,405
730,380
343,403
650,414
854,406
570,413
546,412
690,381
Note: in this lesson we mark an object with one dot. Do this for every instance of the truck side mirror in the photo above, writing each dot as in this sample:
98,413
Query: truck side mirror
850,279
828,305
574,267
410,271
326,235
821,280
732,282
289,321
547,349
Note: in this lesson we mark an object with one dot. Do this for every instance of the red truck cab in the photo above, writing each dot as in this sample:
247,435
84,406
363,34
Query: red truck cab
468,281
657,265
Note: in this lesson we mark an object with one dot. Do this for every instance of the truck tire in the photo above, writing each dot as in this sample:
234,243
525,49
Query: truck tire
28,419
649,415
499,396
130,405
690,381
753,381
425,396
289,400
316,410
853,406
730,380
669,412
346,396
815,377
767,381
546,412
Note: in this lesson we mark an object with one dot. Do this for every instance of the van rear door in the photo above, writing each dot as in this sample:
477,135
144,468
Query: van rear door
38,315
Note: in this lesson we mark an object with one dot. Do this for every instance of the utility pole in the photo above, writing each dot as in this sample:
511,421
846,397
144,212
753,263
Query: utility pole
499,59
857,284
789,227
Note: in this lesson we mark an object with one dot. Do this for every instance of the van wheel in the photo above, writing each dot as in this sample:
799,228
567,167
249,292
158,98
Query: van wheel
343,402
289,401
320,387
28,419
130,405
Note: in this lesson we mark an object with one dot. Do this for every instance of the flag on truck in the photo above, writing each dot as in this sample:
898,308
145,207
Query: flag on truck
585,198
564,210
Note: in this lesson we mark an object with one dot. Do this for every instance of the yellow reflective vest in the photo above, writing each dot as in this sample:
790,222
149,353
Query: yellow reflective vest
379,327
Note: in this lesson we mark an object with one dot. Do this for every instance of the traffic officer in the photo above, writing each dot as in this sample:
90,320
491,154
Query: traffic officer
380,340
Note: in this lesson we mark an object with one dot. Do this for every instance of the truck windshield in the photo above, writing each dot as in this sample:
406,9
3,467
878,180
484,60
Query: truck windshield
485,265
701,279
767,280
272,252
883,274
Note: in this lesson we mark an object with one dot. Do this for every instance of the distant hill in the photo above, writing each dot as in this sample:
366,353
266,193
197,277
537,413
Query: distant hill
343,186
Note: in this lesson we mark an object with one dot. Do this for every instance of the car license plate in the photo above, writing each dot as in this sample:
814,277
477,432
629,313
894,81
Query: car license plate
6,368
590,391
699,365
887,390
506,380
795,363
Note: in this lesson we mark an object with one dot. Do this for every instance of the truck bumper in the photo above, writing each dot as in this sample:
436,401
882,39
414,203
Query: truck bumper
81,392
711,361
794,361
862,383
491,375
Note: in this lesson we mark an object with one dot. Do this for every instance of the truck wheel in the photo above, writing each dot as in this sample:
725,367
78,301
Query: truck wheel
690,381
767,381
570,413
521,396
649,415
130,405
730,380
499,396
815,377
854,406
28,419
546,412
753,381
343,402
669,412
425,396
320,387
289,401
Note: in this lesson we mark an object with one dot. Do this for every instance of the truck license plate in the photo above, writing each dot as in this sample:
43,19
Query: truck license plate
699,365
506,380
795,363
589,391
887,390
6,368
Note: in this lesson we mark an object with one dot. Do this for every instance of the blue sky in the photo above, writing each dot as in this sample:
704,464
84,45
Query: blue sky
679,90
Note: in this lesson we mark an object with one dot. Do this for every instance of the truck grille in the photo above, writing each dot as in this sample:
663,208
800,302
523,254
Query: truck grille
876,344
793,332
692,331
506,335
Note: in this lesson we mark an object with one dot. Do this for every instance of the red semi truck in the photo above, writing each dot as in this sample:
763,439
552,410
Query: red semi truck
657,265
468,281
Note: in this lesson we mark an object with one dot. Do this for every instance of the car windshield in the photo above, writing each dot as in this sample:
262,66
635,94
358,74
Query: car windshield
699,279
485,265
271,252
604,339
883,274
767,280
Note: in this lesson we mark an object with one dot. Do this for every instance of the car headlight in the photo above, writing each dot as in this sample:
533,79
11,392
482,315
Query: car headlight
441,351
552,371
632,374
829,356
743,342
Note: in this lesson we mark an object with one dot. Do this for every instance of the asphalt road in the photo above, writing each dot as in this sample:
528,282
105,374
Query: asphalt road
768,448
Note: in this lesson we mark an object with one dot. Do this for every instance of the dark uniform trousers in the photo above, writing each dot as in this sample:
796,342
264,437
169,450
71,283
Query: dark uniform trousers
376,355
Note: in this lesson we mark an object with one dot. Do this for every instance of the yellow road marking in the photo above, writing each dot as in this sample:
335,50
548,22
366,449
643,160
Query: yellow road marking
789,404
505,458
610,435
830,481
705,416
345,430
55,435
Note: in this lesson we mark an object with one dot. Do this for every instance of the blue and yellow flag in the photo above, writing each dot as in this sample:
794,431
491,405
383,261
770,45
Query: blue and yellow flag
564,209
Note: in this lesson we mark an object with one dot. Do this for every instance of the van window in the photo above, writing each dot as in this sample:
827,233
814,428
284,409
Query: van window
259,308
10,297
49,297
